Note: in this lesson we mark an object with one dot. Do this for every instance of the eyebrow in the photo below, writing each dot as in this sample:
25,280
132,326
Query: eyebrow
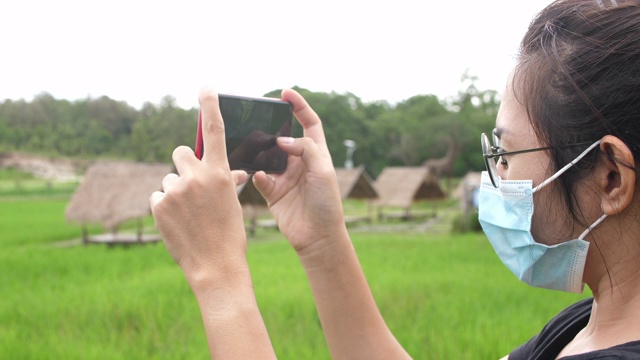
499,131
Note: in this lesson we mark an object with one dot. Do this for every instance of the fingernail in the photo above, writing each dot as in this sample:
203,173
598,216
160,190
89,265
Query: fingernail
285,140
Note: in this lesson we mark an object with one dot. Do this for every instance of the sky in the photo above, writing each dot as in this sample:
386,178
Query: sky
139,51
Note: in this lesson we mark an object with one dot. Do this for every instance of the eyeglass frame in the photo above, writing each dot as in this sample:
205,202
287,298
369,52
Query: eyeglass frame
488,146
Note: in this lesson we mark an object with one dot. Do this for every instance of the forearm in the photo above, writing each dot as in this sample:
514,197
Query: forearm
233,323
352,323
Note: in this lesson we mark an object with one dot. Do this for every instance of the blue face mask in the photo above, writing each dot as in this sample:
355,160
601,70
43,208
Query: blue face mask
505,215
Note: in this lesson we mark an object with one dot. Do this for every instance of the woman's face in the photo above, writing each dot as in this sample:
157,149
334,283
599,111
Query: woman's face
550,217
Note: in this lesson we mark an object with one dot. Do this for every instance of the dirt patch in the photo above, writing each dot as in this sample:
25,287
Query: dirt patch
58,169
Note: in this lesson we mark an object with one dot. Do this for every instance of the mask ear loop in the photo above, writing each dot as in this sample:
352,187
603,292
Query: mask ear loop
596,223
566,167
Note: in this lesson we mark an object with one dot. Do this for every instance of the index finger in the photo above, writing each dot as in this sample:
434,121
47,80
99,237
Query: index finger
213,136
308,118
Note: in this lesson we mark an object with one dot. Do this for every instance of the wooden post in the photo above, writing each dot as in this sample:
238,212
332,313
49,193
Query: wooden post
85,234
139,232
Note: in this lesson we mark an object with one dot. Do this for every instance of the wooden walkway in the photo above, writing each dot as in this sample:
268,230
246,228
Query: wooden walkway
123,239
438,224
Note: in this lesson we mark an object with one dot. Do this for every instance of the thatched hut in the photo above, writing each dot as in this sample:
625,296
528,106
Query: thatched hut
355,183
400,187
112,193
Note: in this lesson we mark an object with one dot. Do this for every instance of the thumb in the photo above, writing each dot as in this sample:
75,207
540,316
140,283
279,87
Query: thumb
264,184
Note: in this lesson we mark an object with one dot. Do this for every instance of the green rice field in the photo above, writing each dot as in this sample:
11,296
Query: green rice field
444,296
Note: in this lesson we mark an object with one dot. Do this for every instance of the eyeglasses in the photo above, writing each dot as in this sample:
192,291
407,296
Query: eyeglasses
494,151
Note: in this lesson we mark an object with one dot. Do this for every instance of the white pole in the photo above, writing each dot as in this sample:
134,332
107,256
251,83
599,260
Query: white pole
351,147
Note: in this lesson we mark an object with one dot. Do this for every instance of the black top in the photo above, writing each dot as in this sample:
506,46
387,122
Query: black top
561,330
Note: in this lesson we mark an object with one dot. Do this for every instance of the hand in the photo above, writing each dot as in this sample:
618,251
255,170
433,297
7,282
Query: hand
305,200
198,213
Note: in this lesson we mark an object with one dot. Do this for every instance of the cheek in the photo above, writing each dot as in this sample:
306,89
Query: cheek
551,222
528,166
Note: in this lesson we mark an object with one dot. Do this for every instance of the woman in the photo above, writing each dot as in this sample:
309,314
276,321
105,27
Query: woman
566,139
571,104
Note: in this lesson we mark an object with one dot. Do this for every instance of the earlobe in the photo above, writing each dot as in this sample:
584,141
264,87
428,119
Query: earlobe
616,175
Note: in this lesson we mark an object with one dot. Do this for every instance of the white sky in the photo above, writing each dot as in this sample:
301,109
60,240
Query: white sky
140,51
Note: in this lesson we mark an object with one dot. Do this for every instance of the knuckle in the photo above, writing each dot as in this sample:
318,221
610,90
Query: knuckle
220,179
214,127
306,141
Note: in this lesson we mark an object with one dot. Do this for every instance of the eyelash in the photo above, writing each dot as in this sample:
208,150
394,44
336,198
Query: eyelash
502,159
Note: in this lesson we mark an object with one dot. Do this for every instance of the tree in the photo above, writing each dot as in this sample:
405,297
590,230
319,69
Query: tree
407,133
477,111
159,130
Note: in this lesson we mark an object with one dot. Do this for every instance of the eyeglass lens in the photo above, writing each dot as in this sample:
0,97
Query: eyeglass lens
489,159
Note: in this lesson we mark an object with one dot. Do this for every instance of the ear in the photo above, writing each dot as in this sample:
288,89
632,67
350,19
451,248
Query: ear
615,175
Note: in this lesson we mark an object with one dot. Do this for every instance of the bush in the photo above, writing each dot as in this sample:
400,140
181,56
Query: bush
464,223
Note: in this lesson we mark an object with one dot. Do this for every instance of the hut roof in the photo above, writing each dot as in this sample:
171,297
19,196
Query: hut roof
401,186
114,192
355,183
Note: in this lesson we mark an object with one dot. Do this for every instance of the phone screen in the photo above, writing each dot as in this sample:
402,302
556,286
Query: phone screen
251,128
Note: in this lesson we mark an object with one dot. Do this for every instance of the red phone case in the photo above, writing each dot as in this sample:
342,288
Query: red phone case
199,143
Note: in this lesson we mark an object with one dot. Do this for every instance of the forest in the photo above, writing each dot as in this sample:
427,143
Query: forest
402,134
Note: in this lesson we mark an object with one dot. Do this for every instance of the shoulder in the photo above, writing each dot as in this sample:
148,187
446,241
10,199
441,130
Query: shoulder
578,309
558,332
568,322
627,351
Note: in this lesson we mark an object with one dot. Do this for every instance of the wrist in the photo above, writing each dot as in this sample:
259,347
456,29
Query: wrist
224,296
231,273
326,252
226,301
231,315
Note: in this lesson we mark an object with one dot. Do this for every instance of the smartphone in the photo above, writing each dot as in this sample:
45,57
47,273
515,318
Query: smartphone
251,126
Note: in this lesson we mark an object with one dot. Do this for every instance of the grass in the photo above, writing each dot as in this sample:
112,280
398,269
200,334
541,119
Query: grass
443,296
16,183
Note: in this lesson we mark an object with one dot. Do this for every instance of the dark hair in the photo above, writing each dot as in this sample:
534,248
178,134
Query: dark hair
578,77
